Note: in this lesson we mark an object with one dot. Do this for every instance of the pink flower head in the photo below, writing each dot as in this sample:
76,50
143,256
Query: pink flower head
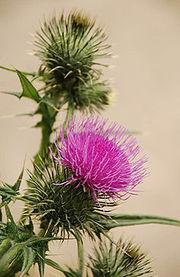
102,160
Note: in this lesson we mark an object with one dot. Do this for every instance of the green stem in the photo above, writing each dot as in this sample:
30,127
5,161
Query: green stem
48,119
80,256
44,144
69,114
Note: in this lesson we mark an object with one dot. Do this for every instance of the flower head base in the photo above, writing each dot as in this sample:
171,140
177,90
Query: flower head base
102,160
61,209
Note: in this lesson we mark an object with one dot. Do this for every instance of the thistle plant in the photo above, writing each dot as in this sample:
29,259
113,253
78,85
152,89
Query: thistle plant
82,174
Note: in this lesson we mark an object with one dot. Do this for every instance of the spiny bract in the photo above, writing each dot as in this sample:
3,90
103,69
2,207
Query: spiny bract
66,209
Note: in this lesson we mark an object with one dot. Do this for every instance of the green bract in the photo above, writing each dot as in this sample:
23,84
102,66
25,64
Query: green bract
67,209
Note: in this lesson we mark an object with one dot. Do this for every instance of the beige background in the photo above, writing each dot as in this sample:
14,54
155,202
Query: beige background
145,77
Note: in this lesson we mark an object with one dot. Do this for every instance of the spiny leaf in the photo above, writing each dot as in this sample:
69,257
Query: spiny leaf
18,182
28,259
8,192
40,263
12,228
4,246
29,90
128,220
57,267
9,256
9,215
14,70
17,115
17,94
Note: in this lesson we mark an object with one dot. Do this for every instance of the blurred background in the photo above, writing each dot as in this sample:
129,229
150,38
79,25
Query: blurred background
144,74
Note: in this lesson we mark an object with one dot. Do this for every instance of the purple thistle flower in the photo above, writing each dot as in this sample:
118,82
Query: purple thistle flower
102,160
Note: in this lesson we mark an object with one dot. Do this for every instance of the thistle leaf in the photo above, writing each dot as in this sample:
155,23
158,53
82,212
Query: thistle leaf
17,94
128,220
17,115
15,71
9,215
40,263
9,256
29,90
4,246
8,192
28,259
57,267
19,180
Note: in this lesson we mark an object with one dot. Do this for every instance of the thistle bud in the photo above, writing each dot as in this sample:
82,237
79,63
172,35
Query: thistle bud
68,48
123,259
